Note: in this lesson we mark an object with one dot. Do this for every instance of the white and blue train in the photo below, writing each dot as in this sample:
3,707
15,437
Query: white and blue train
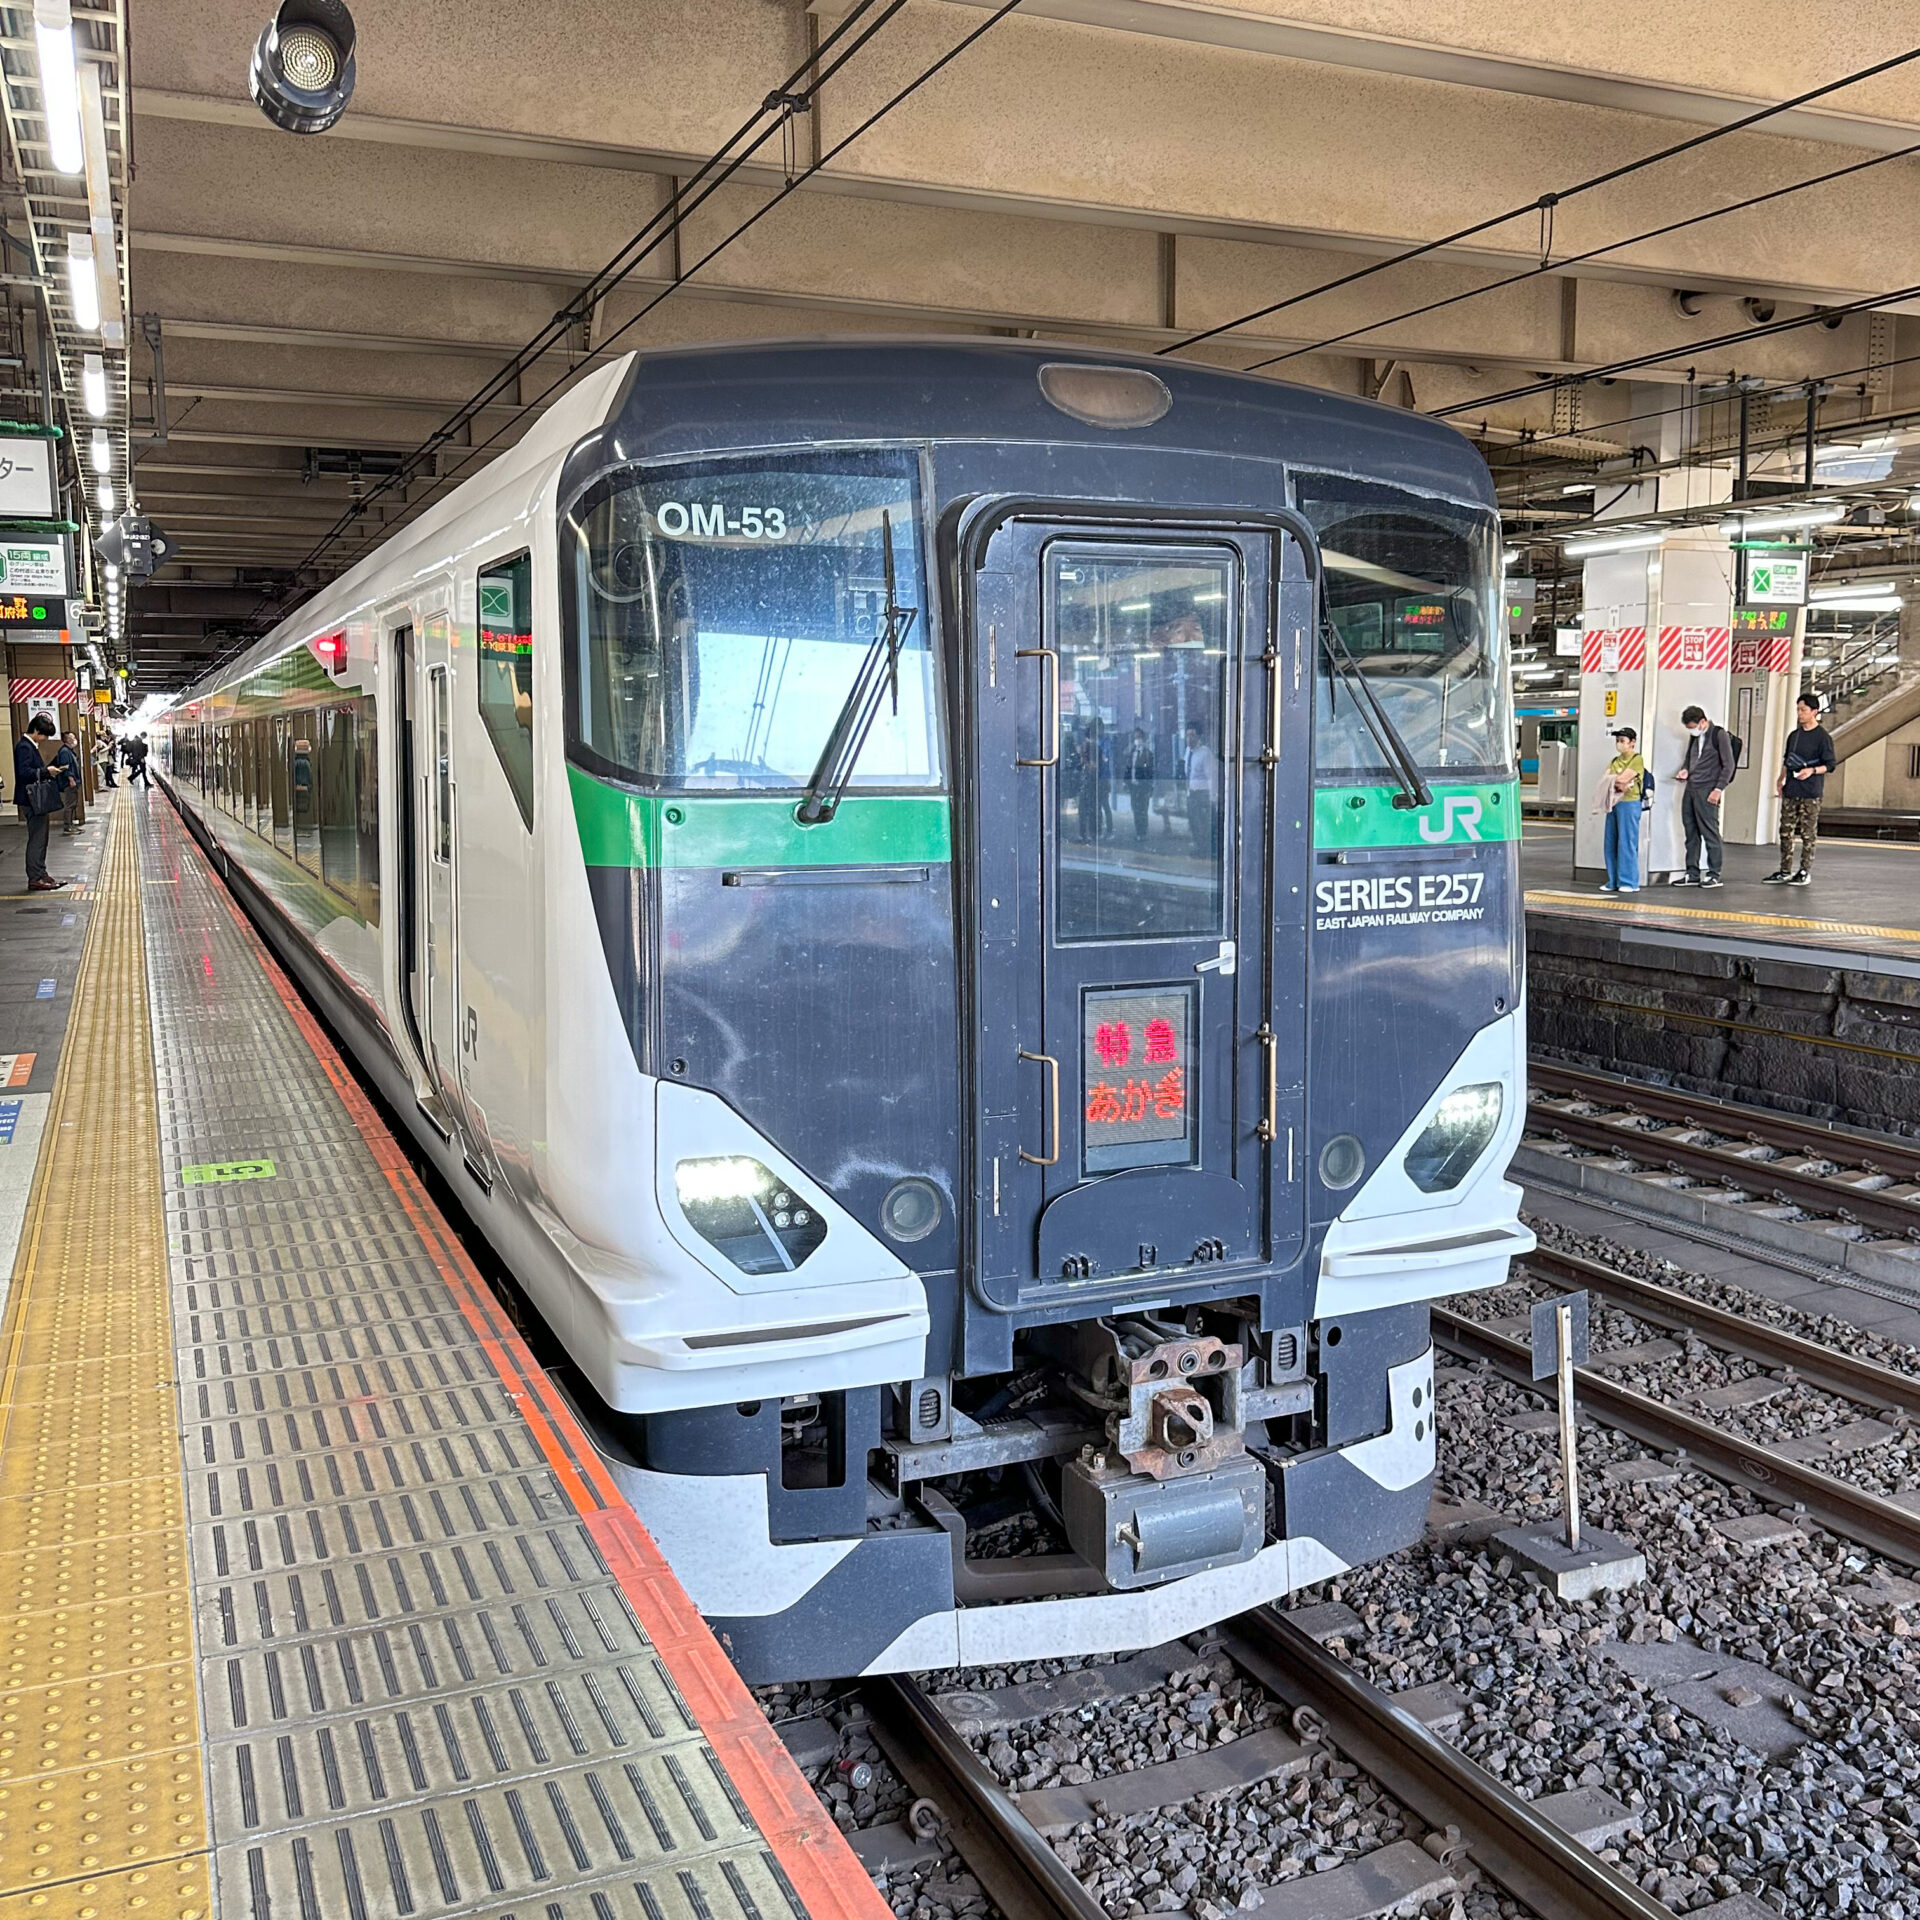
952,912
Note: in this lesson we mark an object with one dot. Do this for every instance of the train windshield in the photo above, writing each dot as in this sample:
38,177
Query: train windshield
721,613
1412,586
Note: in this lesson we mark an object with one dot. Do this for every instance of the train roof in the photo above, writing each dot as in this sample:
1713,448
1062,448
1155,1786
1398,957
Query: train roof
712,399
679,401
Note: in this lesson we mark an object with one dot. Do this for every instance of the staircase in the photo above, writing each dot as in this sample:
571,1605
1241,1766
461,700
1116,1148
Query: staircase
1867,693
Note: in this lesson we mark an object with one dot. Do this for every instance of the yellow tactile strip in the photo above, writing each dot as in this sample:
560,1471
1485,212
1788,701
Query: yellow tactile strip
102,1801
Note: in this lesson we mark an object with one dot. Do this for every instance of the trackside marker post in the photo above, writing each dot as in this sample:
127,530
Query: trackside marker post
1573,1566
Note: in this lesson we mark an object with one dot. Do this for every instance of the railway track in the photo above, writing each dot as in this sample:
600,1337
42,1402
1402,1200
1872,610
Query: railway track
1474,1821
1857,1178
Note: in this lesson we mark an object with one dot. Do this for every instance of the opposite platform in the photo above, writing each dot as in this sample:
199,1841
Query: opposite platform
316,1601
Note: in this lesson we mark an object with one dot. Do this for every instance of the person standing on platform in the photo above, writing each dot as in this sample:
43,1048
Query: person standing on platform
1804,767
1622,796
135,749
1140,782
104,756
1709,770
1203,788
73,784
37,794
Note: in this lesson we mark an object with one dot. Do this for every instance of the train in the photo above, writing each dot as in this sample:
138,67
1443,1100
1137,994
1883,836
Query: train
950,911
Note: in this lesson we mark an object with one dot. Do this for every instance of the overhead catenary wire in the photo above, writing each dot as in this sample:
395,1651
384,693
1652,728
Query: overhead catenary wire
599,352
1820,316
1591,253
1545,203
680,215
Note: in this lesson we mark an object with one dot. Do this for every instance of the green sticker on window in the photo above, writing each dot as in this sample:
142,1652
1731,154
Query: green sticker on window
218,1171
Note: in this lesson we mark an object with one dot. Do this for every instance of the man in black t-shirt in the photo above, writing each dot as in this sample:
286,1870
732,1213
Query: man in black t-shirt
1804,767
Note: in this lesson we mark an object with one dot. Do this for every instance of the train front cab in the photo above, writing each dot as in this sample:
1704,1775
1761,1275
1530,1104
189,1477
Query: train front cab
1174,1091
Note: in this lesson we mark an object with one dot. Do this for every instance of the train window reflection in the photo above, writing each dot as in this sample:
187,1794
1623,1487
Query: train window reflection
1143,636
1411,587
721,613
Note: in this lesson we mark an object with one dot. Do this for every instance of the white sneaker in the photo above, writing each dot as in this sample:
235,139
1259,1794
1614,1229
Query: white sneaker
1629,889
1609,887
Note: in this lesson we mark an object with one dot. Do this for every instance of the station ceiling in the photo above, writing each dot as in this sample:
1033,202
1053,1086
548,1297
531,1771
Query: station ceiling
1129,172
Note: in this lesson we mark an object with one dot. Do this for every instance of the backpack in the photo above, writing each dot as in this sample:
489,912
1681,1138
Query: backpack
1646,786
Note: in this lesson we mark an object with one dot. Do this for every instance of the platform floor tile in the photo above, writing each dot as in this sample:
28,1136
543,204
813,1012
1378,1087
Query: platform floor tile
426,1679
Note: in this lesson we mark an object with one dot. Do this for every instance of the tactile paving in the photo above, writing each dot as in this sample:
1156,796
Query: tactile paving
424,1690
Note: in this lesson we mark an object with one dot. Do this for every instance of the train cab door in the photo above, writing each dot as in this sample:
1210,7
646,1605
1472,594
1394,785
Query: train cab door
430,942
1140,822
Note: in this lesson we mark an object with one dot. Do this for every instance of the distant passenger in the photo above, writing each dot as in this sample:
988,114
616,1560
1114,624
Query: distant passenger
1203,792
72,781
1622,795
1803,779
135,748
1140,781
105,754
1710,766
37,794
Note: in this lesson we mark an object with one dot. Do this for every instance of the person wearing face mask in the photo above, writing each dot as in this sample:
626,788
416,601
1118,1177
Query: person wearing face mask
1710,766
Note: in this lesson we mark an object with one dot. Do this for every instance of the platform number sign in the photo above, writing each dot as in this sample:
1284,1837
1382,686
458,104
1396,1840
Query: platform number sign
1137,1078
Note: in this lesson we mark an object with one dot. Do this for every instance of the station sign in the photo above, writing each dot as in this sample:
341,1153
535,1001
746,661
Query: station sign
37,612
1521,597
34,566
1566,643
26,479
1774,576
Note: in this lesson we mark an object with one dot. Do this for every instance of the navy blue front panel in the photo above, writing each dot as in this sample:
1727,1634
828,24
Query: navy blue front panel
824,1015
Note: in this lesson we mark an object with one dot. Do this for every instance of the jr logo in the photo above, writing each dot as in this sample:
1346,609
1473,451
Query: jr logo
1461,807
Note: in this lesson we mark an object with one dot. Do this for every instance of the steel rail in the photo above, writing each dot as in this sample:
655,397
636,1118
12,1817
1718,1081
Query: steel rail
1883,1154
1534,1860
1817,1192
998,1842
1863,1381
1836,1504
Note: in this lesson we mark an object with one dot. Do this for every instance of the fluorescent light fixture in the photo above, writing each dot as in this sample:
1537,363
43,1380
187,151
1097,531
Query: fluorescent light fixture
1208,599
83,283
1864,603
1579,486
59,83
104,494
113,572
1613,543
1512,558
102,453
93,385
1747,527
1852,590
93,130
1134,606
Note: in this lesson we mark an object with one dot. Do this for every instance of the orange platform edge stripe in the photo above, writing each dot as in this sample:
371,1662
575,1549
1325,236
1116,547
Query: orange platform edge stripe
822,1869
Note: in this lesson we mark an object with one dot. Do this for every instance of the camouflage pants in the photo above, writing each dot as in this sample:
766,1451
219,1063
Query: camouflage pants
1800,817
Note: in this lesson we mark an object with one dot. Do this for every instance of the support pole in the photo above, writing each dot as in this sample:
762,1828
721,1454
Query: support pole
1569,1466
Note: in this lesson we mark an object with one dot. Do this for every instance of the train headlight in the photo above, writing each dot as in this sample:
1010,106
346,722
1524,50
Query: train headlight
742,1211
1456,1137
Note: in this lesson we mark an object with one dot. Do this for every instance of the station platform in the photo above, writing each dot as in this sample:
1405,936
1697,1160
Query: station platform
1863,904
1802,998
315,1602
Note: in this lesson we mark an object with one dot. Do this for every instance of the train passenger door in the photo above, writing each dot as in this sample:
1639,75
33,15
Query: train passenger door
1139,821
430,942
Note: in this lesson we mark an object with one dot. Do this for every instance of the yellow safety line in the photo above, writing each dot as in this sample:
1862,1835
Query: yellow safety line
102,1800
1607,903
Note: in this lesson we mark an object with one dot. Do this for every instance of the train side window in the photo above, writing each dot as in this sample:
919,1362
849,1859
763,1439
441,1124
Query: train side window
504,624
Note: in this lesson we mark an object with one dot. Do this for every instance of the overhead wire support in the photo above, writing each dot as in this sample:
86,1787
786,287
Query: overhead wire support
1591,253
1545,203
470,453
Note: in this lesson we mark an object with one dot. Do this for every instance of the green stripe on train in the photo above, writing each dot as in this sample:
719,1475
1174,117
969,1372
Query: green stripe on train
619,828
1367,817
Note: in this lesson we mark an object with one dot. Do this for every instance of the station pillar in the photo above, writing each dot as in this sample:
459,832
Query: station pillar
1657,638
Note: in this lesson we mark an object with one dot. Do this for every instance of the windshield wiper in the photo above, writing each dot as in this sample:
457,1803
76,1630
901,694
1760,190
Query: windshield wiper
879,674
1414,791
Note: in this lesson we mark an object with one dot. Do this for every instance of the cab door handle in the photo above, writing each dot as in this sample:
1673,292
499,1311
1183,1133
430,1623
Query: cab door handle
1052,1156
